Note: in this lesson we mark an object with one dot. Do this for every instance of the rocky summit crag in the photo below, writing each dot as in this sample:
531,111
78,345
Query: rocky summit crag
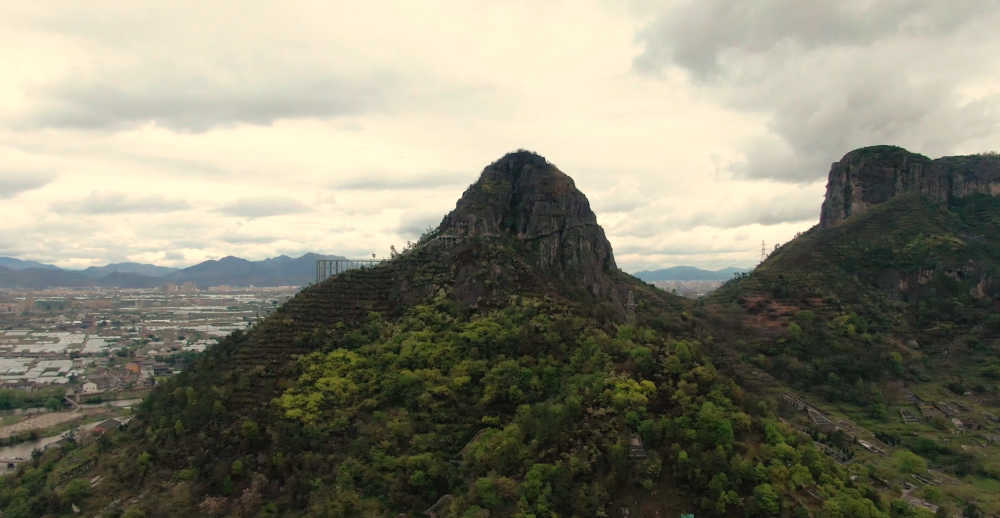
524,196
868,176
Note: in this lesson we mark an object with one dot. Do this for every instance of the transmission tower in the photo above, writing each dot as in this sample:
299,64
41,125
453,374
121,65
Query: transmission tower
763,255
630,308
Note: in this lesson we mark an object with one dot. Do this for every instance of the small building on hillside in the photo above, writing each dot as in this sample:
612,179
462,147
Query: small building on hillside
636,450
106,426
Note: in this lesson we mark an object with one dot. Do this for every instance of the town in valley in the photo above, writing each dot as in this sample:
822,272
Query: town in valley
83,356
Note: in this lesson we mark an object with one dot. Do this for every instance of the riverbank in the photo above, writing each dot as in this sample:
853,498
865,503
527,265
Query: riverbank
38,430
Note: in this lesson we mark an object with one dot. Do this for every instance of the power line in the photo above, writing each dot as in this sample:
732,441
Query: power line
763,255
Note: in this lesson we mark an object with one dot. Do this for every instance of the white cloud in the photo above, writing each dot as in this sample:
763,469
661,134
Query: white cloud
110,202
836,75
197,101
263,207
180,133
13,183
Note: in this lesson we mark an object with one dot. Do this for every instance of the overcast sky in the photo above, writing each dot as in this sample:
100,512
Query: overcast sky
174,132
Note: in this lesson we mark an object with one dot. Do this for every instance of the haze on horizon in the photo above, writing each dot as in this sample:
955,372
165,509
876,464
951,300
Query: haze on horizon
174,133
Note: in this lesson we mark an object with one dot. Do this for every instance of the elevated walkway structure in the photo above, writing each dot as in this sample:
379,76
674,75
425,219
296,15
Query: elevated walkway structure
326,268
452,240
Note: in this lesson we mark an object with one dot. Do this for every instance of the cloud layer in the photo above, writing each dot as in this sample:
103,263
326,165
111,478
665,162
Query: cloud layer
191,101
15,183
698,128
833,76
263,207
110,202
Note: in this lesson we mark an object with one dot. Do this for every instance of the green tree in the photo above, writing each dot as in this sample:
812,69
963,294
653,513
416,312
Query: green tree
682,351
53,404
487,491
250,430
76,490
714,427
900,509
718,485
767,500
972,510
909,462
850,504
643,358
142,461
801,476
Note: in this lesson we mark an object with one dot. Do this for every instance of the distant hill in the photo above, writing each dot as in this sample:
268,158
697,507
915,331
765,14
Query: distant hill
903,287
18,264
41,278
891,301
230,271
148,270
233,271
689,273
37,278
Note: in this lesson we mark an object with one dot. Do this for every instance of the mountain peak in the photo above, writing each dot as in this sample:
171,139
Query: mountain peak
868,176
517,160
524,196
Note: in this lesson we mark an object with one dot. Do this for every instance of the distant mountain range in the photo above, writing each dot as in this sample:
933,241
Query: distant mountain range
148,270
17,264
234,271
230,271
689,273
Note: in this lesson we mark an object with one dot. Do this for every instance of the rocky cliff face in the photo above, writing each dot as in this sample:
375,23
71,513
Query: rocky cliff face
524,196
869,176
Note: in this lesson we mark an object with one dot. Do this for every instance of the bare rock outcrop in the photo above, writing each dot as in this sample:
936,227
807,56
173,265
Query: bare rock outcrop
522,195
868,176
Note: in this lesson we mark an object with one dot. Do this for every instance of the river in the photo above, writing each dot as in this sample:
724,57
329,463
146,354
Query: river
23,450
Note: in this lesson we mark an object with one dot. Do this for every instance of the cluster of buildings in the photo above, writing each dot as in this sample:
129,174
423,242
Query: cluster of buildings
689,289
93,341
187,287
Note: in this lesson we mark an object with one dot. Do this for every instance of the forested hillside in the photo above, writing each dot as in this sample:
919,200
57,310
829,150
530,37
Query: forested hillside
889,318
501,367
